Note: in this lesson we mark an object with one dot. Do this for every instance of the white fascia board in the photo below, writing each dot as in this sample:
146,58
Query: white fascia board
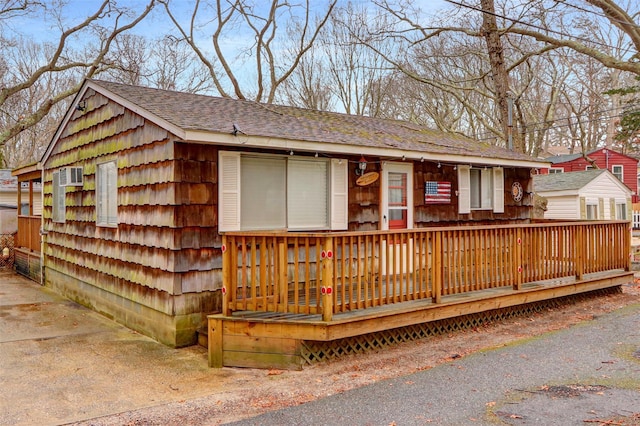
244,141
564,193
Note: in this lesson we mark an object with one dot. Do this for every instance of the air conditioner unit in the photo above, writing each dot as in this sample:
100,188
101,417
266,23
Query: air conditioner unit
71,176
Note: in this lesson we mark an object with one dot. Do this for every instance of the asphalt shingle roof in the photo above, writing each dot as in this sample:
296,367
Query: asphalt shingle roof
564,181
218,115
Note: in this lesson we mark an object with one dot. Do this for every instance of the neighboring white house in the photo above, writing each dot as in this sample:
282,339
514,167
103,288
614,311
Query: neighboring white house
592,195
9,194
9,202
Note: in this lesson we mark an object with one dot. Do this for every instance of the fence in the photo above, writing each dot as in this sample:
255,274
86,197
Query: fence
327,273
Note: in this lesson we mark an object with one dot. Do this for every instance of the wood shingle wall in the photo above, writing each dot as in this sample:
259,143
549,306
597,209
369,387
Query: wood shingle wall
155,271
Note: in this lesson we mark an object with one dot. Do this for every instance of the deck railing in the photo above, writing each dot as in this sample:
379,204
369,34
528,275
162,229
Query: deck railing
29,232
328,273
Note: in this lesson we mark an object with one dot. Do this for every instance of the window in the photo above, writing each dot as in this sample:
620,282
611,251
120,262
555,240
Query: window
617,172
588,168
58,202
553,170
621,211
480,189
107,194
592,211
264,192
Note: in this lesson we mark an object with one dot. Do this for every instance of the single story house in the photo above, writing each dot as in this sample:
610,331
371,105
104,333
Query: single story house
592,195
140,184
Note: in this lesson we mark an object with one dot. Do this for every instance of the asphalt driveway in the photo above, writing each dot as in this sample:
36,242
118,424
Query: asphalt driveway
587,374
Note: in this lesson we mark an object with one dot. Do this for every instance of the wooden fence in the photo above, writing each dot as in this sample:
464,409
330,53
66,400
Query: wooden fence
28,235
328,273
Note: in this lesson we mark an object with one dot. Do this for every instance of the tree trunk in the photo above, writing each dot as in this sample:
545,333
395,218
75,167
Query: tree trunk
498,71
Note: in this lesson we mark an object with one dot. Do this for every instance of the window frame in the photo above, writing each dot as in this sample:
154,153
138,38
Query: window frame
495,175
621,177
621,210
230,192
59,208
107,213
555,170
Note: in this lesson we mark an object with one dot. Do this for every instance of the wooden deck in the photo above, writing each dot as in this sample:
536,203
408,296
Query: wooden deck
293,295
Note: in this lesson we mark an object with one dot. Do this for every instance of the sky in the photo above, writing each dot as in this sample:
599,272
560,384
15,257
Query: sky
44,27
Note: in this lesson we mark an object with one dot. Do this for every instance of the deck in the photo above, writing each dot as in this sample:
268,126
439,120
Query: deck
291,299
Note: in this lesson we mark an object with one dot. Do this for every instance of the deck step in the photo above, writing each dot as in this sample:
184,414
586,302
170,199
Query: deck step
203,336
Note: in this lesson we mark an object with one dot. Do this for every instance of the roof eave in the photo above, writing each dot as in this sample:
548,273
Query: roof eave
245,141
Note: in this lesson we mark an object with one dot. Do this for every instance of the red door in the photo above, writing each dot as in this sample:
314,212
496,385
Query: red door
397,200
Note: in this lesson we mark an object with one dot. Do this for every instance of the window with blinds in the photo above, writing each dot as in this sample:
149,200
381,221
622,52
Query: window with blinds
270,192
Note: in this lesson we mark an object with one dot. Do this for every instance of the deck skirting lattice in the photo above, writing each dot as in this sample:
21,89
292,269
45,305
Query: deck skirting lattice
317,351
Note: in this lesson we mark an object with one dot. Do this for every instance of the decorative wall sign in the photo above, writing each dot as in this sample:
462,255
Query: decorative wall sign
367,178
516,191
437,192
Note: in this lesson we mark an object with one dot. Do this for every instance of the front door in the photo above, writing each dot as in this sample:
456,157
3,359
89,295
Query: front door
397,196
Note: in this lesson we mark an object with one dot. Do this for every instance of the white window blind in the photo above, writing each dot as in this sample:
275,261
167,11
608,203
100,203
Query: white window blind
263,195
307,194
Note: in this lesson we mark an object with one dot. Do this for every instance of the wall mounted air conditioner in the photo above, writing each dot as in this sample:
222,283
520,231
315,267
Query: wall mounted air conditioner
71,176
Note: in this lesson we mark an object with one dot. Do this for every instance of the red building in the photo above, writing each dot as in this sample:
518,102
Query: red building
622,166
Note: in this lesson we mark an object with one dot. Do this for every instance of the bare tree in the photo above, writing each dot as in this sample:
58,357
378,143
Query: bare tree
308,86
253,30
470,80
612,11
58,68
499,72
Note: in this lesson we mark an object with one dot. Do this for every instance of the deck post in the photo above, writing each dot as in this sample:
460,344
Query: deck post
627,246
579,244
436,296
517,283
282,289
227,285
327,279
214,335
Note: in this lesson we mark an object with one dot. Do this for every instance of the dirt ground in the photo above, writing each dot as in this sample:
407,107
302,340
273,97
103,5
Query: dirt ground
274,389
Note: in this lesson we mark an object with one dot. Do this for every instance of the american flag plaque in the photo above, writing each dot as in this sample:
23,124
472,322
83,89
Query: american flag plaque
437,192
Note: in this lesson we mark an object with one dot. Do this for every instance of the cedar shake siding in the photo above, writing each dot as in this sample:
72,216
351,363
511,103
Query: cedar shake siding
155,271
139,239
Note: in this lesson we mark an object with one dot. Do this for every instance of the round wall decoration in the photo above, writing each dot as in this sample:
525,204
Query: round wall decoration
516,191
